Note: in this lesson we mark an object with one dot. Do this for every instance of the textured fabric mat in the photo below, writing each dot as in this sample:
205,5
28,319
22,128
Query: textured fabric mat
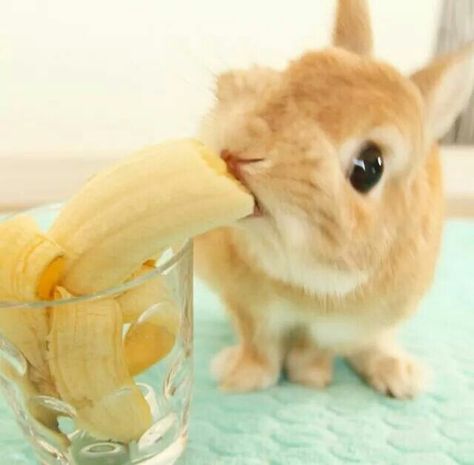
346,423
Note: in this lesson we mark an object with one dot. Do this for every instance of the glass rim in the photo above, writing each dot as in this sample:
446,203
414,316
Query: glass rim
40,304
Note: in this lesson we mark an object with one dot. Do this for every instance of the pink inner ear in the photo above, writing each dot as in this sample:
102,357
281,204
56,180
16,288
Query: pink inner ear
446,86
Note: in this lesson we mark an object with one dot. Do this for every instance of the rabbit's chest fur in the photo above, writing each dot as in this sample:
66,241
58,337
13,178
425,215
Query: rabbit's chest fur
340,332
320,298
292,262
296,269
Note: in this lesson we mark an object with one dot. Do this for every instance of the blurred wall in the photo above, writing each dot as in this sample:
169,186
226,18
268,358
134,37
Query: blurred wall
456,28
115,75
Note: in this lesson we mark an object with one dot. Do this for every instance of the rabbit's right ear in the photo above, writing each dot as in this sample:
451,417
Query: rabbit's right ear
446,85
353,30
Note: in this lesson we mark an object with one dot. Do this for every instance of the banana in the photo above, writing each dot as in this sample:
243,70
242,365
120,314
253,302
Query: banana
30,266
155,317
151,337
114,228
27,330
87,362
30,262
141,297
125,215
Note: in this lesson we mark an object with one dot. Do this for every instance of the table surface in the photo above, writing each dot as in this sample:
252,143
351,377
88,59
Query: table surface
347,422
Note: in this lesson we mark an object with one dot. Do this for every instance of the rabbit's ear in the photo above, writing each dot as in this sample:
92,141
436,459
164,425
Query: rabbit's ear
353,30
446,85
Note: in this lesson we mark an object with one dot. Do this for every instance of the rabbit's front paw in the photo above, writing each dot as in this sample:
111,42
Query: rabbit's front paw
238,370
309,366
398,376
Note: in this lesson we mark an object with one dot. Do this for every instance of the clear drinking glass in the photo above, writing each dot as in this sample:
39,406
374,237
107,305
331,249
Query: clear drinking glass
166,385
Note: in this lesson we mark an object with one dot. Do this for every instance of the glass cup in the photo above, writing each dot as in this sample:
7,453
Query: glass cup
159,368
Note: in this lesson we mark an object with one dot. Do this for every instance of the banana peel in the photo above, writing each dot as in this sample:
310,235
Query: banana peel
30,266
87,362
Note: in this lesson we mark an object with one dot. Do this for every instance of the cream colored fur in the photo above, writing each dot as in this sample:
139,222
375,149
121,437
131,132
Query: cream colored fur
327,270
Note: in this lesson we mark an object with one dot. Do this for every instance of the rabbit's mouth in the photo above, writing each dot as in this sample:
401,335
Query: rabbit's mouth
237,166
258,210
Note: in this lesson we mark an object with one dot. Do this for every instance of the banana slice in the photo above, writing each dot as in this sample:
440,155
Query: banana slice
87,361
152,337
150,306
30,266
124,216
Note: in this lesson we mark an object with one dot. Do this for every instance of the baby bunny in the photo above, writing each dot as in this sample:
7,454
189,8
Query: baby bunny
340,151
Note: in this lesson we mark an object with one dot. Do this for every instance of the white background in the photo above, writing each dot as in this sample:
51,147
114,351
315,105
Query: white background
92,75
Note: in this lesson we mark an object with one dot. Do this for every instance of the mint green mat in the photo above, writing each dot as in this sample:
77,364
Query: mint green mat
346,423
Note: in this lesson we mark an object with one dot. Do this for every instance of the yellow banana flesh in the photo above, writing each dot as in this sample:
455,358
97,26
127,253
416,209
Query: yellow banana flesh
161,195
138,299
152,337
87,361
155,317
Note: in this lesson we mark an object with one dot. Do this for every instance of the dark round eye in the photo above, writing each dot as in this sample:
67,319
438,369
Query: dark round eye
367,168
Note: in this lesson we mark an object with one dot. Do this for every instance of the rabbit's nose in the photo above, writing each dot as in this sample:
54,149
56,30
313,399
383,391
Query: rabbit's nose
227,155
233,162
236,163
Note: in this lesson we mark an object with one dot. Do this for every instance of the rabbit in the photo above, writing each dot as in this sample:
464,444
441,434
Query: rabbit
340,152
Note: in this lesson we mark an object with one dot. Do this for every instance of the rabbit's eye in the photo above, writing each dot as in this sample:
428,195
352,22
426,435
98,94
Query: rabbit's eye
367,168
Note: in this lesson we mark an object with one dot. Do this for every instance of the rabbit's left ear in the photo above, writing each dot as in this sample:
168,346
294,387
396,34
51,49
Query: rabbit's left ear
353,30
446,85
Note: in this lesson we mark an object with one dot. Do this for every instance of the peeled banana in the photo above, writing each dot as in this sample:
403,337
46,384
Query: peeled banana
87,361
125,215
110,232
141,297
